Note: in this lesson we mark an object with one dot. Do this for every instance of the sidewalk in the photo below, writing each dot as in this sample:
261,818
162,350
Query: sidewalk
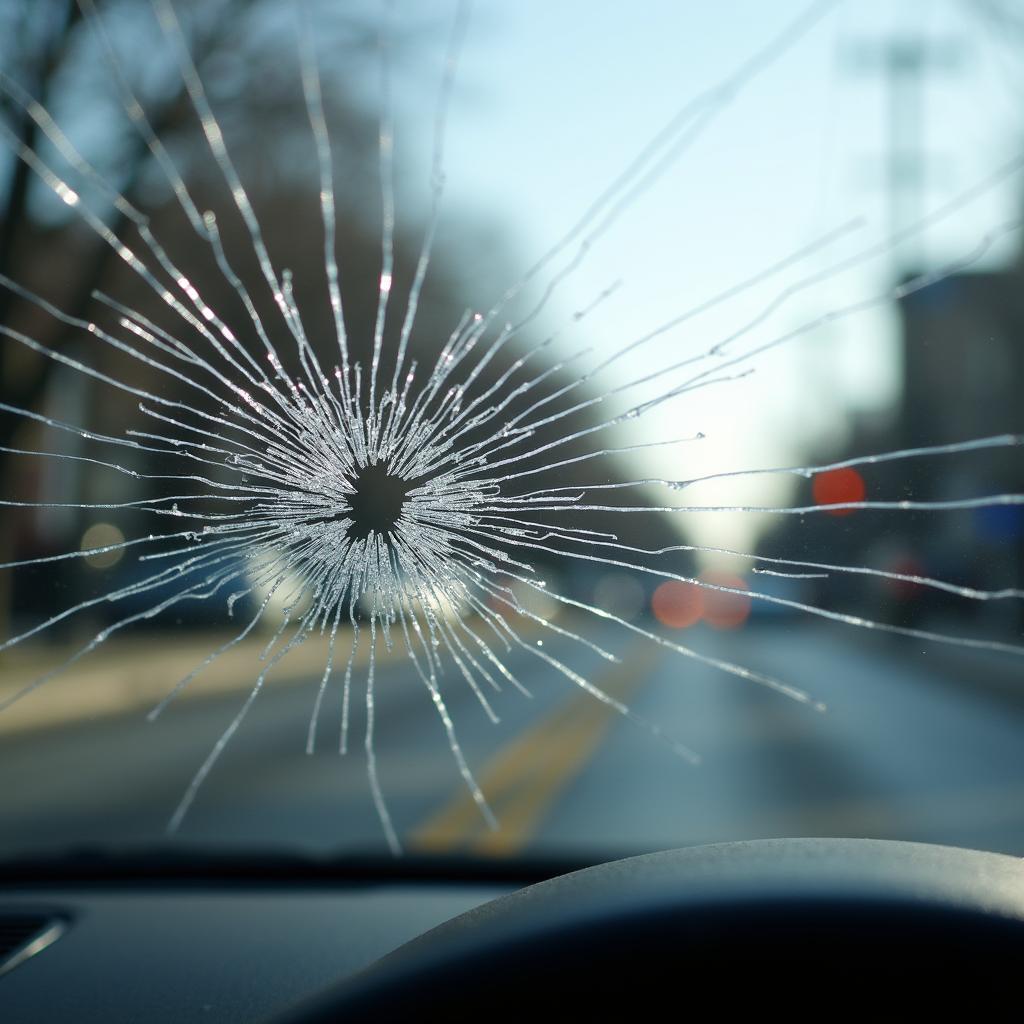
135,672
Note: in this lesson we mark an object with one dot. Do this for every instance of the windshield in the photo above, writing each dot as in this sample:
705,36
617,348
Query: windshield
510,430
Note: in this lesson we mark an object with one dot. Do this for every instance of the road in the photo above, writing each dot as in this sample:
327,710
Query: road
919,745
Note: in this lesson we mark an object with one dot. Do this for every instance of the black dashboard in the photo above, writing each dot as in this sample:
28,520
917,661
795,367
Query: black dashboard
155,940
812,924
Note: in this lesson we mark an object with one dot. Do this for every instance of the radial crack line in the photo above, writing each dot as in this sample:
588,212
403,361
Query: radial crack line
526,776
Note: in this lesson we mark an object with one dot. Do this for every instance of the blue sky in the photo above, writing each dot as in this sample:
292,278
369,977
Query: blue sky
553,100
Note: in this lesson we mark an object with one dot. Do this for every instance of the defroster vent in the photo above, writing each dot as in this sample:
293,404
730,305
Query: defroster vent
23,934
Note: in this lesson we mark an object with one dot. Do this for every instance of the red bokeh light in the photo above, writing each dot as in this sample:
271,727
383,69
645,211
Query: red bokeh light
838,487
723,610
677,605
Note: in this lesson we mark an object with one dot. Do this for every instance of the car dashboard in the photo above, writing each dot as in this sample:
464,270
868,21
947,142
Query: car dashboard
160,938
297,940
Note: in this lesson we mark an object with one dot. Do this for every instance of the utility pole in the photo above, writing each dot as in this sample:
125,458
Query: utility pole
905,62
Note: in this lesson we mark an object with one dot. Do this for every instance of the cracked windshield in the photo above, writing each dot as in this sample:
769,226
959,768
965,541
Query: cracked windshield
510,430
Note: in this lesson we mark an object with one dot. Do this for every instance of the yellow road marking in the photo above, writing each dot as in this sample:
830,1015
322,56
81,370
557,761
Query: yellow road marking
526,776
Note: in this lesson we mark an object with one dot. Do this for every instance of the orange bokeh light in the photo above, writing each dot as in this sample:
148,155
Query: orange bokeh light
680,605
677,605
838,487
723,610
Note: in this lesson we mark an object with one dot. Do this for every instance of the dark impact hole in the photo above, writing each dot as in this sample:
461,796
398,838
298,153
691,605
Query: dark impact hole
378,501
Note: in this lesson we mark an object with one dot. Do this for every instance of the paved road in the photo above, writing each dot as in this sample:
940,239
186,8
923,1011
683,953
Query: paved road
906,750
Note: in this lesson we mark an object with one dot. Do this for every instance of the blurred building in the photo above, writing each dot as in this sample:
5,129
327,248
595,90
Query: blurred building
962,350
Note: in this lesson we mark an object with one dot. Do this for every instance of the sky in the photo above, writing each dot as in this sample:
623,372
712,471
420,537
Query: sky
554,99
